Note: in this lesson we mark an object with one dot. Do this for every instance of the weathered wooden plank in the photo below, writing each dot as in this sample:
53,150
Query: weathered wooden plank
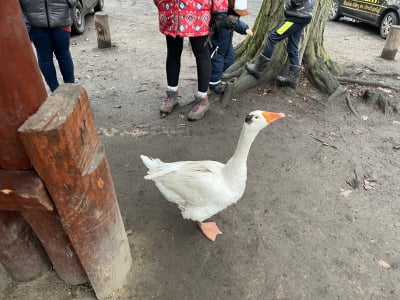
47,226
62,142
22,88
24,191
20,251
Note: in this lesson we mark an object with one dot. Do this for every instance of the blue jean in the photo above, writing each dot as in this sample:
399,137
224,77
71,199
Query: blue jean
48,41
224,56
291,31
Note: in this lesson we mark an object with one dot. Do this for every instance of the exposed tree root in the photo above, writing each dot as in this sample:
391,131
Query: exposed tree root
350,104
227,96
340,90
368,83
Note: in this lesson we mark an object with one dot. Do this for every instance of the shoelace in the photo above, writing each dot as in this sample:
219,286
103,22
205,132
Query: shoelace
197,105
168,100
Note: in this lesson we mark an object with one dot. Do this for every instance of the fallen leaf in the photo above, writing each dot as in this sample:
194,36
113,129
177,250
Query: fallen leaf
369,184
388,91
345,193
383,264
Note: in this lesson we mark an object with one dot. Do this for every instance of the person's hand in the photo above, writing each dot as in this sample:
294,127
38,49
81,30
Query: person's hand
249,32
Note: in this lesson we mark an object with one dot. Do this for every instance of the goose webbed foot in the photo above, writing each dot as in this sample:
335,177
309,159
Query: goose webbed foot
210,230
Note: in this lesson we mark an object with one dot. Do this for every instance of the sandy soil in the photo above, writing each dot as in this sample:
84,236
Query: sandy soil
320,216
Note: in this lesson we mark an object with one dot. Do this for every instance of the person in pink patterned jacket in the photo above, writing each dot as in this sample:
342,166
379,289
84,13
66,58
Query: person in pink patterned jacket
194,19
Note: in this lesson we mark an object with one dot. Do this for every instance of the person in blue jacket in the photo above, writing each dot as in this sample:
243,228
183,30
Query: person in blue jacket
298,13
221,46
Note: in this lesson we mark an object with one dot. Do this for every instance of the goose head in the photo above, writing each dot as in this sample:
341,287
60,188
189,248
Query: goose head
259,119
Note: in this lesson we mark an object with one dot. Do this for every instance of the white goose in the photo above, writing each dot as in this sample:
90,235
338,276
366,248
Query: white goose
203,188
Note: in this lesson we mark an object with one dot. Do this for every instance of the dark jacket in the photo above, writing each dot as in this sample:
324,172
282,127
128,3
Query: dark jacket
299,11
48,13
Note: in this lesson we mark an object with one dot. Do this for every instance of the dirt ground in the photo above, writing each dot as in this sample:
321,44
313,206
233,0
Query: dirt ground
320,218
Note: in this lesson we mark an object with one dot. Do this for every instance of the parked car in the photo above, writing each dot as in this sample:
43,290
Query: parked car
79,12
379,13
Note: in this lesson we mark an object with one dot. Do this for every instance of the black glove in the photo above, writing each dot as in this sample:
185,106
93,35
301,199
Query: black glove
220,20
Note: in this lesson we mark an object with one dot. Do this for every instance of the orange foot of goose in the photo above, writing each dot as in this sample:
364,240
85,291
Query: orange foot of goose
210,230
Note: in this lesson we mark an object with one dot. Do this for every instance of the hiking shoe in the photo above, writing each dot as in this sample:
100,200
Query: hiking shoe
168,104
217,88
199,109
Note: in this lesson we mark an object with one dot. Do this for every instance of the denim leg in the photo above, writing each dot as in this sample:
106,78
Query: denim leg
60,39
273,38
229,57
41,39
292,47
217,64
285,29
221,39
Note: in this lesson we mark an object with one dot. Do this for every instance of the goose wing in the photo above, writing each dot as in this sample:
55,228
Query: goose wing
190,183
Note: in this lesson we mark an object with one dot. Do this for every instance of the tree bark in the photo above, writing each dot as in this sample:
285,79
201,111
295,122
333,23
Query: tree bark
318,66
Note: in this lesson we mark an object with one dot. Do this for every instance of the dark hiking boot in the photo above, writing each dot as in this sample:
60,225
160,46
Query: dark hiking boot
292,78
218,88
259,66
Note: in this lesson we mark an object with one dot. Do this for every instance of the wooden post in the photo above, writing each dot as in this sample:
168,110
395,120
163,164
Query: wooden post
22,90
392,43
24,191
103,30
62,142
20,251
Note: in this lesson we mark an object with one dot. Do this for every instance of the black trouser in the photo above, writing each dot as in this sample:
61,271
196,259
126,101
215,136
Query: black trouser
203,62
291,31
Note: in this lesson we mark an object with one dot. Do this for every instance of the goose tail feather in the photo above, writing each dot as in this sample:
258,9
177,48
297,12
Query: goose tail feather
151,163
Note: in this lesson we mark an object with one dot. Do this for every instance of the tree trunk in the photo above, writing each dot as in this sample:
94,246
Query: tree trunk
317,64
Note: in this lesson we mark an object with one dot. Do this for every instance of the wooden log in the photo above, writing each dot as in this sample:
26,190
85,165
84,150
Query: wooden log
103,30
47,226
21,253
22,88
392,43
24,191
62,142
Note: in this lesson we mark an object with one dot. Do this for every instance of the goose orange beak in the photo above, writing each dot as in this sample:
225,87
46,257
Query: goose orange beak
272,116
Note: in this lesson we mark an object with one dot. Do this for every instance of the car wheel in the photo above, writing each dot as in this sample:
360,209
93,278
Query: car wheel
78,19
334,13
99,6
391,18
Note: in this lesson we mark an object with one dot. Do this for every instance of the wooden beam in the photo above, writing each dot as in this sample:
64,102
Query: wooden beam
22,89
62,142
24,191
20,251
47,226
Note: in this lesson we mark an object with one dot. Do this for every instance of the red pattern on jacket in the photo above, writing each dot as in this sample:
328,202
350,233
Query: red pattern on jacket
187,17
